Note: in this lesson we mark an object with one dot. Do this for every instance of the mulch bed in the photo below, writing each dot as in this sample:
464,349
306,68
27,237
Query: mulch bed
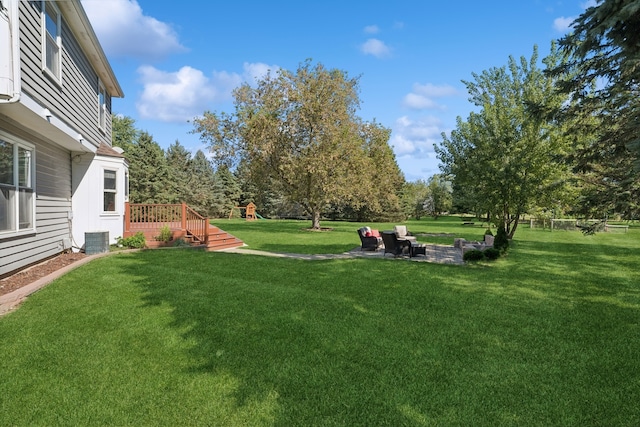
37,271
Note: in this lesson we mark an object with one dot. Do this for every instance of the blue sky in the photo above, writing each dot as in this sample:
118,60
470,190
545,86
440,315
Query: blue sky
175,60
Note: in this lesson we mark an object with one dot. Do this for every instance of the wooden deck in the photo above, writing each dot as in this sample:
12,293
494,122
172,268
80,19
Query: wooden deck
183,222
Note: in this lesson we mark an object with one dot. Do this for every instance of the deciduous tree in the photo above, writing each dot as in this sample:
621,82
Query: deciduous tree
298,131
503,156
439,196
412,197
123,132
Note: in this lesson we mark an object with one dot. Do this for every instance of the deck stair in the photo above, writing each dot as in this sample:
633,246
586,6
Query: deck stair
183,222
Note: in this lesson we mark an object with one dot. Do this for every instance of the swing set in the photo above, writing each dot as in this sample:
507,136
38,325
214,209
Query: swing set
250,211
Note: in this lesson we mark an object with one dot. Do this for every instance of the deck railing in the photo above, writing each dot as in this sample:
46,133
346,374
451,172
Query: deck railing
146,217
195,224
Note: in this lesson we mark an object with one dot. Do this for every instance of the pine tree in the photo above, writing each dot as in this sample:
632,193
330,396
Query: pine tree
179,165
149,177
227,191
202,185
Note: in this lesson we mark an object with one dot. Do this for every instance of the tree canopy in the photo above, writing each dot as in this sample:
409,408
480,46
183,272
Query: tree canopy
503,156
298,132
174,175
603,52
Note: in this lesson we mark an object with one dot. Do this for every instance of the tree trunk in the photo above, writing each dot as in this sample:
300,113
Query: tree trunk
513,230
315,220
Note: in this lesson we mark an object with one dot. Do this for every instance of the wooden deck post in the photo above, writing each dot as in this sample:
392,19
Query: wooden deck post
184,216
127,219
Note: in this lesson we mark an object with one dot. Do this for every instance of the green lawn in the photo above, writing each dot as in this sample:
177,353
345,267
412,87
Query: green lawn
549,335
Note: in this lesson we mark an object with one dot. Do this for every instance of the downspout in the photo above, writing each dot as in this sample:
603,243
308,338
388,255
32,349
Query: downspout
10,83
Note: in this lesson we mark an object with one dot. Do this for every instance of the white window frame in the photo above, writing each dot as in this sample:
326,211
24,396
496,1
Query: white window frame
102,107
16,230
113,191
126,186
55,74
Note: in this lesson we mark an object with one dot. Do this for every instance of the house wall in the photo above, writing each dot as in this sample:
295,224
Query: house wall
65,190
75,101
88,213
53,204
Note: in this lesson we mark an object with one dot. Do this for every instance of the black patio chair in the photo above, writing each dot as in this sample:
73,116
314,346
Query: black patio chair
369,243
395,246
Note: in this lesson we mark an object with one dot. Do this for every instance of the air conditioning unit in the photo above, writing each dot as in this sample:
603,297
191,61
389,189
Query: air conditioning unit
96,242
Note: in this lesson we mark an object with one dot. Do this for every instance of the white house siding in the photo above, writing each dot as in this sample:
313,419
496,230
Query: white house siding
88,213
53,204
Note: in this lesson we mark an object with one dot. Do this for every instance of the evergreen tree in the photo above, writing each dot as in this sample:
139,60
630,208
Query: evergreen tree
202,185
179,171
227,191
149,177
604,84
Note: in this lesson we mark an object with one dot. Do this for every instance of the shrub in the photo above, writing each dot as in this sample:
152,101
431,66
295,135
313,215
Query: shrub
473,255
491,254
501,242
488,232
136,241
165,234
180,242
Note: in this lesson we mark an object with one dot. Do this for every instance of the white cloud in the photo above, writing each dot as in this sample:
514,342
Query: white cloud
257,71
184,94
563,24
434,90
415,101
376,48
124,30
371,29
174,96
415,138
421,98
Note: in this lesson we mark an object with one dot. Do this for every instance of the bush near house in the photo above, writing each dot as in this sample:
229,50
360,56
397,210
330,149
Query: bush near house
137,241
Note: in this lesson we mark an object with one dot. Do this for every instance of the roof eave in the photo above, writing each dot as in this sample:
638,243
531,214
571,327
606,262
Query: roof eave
79,23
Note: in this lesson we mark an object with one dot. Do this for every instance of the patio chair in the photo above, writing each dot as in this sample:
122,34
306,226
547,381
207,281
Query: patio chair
395,246
403,234
369,242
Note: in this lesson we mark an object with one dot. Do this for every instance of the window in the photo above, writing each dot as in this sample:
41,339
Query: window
102,107
51,39
109,204
16,187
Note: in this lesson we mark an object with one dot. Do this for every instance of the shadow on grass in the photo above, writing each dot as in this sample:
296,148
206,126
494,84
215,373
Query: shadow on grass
368,342
293,329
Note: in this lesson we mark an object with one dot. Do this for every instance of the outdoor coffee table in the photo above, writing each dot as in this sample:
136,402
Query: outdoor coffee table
418,249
